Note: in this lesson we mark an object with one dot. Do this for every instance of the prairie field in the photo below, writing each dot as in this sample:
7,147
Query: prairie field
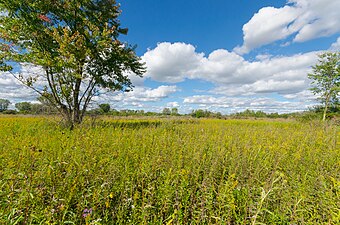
169,171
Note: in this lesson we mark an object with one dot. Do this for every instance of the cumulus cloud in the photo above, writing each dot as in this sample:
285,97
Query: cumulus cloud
237,104
230,72
335,46
232,75
140,97
271,85
304,19
142,94
171,62
11,89
304,95
172,104
136,81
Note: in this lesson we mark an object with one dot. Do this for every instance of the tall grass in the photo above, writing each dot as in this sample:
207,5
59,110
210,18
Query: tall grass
169,172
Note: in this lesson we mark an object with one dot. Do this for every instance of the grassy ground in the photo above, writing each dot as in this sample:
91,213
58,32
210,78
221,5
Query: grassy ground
163,171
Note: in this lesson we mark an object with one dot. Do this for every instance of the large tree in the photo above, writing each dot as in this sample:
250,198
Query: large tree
73,48
326,80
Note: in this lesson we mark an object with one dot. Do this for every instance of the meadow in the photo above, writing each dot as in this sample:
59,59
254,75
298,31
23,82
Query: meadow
169,171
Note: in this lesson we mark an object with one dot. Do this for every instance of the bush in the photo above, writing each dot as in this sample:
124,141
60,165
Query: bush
10,111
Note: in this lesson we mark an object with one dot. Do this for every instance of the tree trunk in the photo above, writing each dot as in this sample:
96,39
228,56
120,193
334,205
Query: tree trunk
77,118
326,108
324,113
67,114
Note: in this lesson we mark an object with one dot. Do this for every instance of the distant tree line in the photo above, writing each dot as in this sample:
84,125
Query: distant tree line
44,107
105,109
200,113
259,114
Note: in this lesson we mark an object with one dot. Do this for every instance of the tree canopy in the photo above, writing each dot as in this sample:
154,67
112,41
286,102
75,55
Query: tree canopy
4,103
326,80
105,107
23,106
72,45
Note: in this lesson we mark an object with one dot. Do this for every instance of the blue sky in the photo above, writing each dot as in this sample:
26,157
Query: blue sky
222,55
209,25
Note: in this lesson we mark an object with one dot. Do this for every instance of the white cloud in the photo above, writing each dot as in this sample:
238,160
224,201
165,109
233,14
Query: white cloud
336,46
172,104
142,94
231,73
11,89
136,81
263,57
237,104
304,95
241,82
7,80
266,26
267,86
140,98
305,19
171,62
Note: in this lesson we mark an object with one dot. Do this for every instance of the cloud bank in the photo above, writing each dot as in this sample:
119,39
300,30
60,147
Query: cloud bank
231,73
233,77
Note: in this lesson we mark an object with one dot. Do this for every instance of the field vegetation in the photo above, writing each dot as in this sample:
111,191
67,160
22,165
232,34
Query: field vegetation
169,171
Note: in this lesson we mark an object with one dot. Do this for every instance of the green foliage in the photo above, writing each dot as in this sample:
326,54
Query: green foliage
35,108
170,111
200,113
105,108
174,111
166,111
326,80
4,103
24,106
124,112
169,172
75,46
10,111
258,114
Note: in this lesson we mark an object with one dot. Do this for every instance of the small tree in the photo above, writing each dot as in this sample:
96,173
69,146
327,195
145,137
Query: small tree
174,111
200,113
4,103
326,80
105,108
24,107
74,46
166,111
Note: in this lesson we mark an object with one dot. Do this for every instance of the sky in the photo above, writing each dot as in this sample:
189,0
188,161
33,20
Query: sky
220,55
